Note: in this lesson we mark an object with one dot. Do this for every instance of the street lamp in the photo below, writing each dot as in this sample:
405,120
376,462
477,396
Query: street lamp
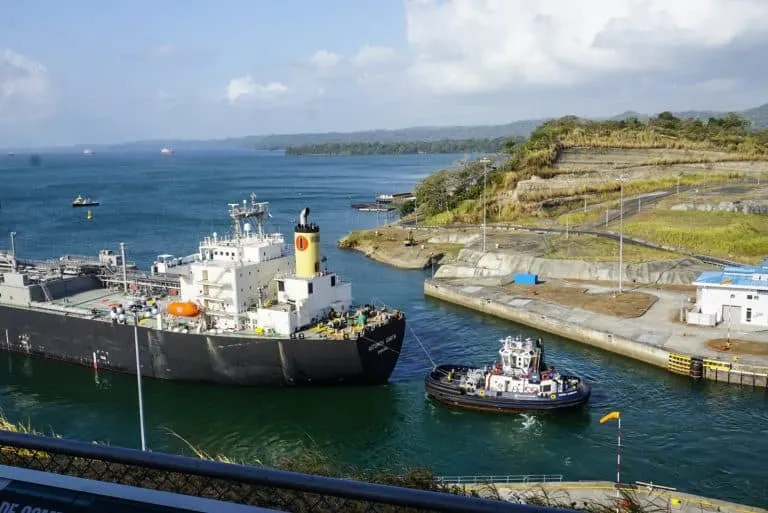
621,179
485,161
135,309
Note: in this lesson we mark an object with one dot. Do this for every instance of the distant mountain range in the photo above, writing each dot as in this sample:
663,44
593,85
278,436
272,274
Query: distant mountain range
757,115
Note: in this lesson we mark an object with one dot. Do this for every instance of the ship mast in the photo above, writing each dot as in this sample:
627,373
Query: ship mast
240,214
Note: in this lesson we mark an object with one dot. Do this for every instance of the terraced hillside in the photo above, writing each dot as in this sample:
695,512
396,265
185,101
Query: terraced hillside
570,163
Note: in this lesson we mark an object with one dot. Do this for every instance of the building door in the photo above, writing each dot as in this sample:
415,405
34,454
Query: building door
749,315
731,314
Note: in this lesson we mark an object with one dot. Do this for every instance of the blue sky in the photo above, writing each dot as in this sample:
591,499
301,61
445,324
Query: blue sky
91,72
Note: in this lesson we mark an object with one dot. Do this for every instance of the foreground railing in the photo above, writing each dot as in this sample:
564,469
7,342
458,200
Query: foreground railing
239,484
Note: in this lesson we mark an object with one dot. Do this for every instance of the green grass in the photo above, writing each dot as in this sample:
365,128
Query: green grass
591,248
572,219
742,237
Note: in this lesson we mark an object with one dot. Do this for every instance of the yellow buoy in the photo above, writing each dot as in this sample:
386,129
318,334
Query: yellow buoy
89,215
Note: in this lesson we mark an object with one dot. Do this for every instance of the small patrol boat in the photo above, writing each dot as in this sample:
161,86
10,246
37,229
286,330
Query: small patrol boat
84,202
519,381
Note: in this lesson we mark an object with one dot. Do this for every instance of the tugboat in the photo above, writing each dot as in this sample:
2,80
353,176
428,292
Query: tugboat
84,202
520,381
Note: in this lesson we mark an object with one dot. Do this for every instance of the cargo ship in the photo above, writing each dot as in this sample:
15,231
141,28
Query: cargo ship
246,309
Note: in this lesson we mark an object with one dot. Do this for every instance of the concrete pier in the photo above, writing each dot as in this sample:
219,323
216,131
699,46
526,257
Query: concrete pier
578,493
652,338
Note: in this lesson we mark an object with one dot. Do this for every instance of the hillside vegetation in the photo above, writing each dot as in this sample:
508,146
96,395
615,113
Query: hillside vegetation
570,162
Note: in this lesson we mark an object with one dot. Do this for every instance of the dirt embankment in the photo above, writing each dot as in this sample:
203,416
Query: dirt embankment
407,249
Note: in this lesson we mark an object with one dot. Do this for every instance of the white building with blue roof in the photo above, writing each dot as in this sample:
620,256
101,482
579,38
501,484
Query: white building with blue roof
738,295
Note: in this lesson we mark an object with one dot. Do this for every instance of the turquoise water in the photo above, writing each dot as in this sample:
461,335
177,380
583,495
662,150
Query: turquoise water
703,438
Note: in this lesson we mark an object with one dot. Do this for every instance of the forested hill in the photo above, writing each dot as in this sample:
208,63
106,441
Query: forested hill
402,148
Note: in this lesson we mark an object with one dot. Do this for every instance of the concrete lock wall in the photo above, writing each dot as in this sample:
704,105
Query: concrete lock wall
715,370
607,341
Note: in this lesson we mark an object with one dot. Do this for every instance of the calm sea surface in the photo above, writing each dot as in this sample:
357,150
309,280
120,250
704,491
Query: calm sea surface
702,438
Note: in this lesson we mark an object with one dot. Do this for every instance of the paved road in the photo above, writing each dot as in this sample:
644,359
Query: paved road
632,205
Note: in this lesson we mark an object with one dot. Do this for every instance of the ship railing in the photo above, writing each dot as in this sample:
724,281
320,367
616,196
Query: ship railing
107,467
70,310
502,479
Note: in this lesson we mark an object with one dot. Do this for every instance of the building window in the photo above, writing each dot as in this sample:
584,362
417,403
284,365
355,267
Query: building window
309,287
749,315
749,296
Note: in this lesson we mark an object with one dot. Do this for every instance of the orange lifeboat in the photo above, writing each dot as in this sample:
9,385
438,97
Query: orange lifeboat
183,309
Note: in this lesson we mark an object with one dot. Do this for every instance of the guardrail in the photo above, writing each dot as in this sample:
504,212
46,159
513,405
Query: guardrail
511,479
238,484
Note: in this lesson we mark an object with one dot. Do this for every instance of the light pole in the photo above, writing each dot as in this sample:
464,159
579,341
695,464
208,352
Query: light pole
138,375
13,250
621,181
485,162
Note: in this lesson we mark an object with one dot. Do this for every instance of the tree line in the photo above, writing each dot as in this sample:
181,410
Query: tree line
401,148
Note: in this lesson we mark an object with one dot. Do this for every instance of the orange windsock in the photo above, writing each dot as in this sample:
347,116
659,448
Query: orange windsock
611,416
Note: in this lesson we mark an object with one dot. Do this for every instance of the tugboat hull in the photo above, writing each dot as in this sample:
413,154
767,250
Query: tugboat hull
451,395
89,204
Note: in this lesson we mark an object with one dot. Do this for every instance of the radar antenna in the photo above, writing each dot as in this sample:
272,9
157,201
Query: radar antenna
240,213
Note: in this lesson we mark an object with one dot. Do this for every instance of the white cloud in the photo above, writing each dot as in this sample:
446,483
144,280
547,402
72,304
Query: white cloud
371,55
324,59
24,85
247,87
475,46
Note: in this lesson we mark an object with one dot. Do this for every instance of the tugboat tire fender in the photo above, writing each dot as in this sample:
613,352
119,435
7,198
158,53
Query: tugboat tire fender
301,336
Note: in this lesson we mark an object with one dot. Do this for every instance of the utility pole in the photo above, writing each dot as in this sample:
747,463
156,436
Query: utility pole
485,162
621,181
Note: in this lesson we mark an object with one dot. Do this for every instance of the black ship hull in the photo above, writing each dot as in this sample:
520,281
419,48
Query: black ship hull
221,359
453,396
